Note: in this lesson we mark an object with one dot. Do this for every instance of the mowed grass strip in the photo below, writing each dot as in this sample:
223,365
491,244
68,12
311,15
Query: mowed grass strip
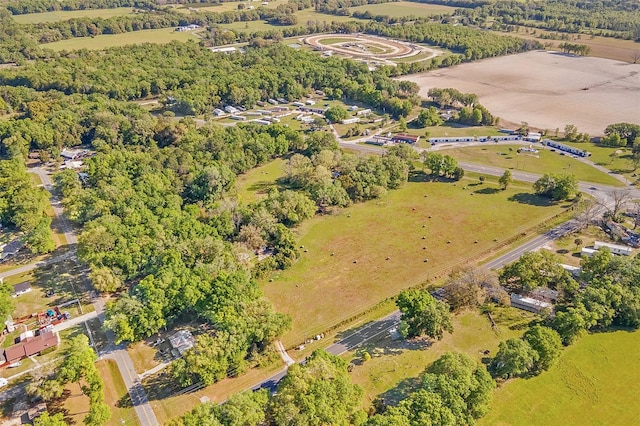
544,161
595,382
403,8
116,395
395,364
159,36
346,270
63,15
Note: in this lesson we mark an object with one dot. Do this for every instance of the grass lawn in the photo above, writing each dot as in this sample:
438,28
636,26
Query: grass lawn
63,15
160,36
618,160
116,395
595,382
256,183
403,8
65,278
224,7
394,365
423,220
303,16
143,356
544,161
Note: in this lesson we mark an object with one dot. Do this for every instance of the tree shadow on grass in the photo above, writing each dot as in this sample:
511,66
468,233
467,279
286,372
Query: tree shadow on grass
531,199
487,191
401,391
421,176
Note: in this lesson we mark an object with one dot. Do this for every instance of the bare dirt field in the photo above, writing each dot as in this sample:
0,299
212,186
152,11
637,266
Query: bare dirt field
547,89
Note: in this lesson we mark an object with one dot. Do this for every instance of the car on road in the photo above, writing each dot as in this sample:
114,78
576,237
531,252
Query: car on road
3,382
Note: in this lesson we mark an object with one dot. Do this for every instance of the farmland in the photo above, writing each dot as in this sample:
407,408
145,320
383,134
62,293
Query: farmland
63,15
403,8
345,269
544,161
160,36
595,380
547,90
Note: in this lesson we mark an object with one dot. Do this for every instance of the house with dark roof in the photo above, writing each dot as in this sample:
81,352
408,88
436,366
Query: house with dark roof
21,288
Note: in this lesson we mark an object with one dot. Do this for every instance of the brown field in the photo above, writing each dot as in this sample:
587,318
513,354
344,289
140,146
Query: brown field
547,89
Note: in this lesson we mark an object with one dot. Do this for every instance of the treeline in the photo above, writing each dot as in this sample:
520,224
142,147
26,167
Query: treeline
453,390
622,17
39,6
470,43
24,206
200,80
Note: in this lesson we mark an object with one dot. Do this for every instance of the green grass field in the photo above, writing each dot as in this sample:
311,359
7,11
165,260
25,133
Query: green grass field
256,183
116,395
63,15
160,36
618,160
303,16
403,8
543,162
394,364
322,289
594,383
225,6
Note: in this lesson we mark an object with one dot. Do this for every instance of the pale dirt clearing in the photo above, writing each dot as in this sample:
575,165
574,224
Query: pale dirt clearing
547,89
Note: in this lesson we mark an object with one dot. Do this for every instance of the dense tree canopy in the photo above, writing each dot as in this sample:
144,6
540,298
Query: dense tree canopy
423,314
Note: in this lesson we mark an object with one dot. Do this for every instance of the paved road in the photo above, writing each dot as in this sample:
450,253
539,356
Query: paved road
141,405
351,341
32,266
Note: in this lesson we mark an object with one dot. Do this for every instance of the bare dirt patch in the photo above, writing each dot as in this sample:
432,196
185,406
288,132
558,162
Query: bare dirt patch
547,89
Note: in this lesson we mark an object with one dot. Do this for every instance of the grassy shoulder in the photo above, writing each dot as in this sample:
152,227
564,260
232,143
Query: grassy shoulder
594,382
544,161
371,251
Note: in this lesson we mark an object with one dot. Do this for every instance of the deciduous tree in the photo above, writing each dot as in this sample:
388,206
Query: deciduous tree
424,315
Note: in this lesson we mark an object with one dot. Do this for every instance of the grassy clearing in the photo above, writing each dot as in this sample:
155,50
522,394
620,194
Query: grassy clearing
63,15
257,182
394,365
403,8
323,289
304,16
595,382
334,40
544,161
116,395
159,36
224,7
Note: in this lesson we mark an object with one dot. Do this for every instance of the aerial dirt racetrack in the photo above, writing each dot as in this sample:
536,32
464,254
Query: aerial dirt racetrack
390,48
548,90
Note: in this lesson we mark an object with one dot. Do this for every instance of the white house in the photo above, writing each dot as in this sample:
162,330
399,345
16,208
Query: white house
614,248
529,304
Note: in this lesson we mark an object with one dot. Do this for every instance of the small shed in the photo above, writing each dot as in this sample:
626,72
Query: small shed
21,288
182,341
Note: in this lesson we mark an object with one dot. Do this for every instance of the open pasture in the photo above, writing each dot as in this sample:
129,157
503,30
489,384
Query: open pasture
595,382
63,15
403,8
373,250
159,36
547,89
544,161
